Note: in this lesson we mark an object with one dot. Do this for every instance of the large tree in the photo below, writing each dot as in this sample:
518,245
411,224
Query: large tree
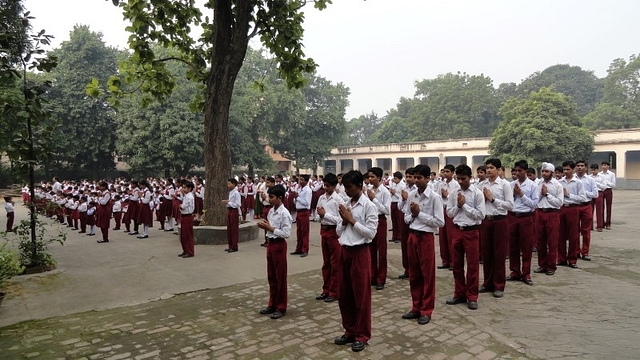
360,130
214,59
542,127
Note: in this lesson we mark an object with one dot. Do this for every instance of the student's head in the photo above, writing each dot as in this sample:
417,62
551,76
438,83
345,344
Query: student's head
232,183
447,172
340,178
463,174
481,171
581,167
375,175
559,173
408,176
493,166
594,169
270,181
605,165
432,176
330,182
276,195
187,187
546,171
7,198
520,168
303,180
397,177
102,185
421,176
568,168
531,174
352,182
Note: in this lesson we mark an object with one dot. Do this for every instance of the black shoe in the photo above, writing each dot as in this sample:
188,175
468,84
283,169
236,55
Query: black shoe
472,305
264,244
586,257
322,296
267,311
513,278
539,271
183,254
443,266
379,286
143,237
528,281
168,229
550,272
455,301
227,250
573,266
357,346
424,320
304,254
483,289
329,299
186,256
562,263
343,340
232,251
403,276
498,294
134,233
296,253
278,314
102,241
411,315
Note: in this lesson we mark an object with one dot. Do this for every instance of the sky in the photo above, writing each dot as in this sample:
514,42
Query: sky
379,48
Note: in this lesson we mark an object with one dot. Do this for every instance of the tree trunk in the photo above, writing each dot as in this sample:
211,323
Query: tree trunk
230,42
250,170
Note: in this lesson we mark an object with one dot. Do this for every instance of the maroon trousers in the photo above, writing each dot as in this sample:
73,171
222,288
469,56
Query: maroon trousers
330,261
422,271
404,237
494,234
586,224
569,231
547,233
83,222
355,291
444,239
117,216
10,218
379,253
397,219
277,274
608,199
521,237
465,242
186,235
302,230
233,228
597,204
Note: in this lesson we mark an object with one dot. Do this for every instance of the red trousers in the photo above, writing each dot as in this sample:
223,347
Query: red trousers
83,221
330,261
608,199
521,238
586,224
10,218
233,228
379,253
302,230
465,242
397,220
186,235
404,237
547,234
355,291
495,234
569,231
597,204
422,271
277,274
117,216
444,239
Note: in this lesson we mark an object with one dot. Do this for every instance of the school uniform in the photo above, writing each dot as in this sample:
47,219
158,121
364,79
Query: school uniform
354,296
75,214
103,214
117,213
330,245
145,213
11,214
521,230
82,215
465,238
134,206
404,229
548,225
233,220
281,220
609,183
397,216
570,221
586,214
303,208
597,203
382,202
494,233
187,208
421,248
199,199
444,237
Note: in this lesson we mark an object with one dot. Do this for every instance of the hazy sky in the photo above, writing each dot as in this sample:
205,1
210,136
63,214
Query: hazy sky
378,48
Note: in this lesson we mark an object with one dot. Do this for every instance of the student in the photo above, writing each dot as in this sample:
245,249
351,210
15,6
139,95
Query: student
145,209
521,224
498,198
117,211
327,209
82,212
397,217
10,208
356,230
424,214
75,213
91,218
445,187
597,203
303,208
263,193
586,211
574,197
187,209
404,227
609,183
134,206
381,198
466,208
233,205
103,214
278,227
547,220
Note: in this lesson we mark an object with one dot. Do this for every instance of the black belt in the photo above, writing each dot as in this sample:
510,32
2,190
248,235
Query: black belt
548,209
571,205
275,239
521,214
267,206
382,216
186,215
355,246
231,209
419,232
302,210
466,228
328,227
586,203
495,217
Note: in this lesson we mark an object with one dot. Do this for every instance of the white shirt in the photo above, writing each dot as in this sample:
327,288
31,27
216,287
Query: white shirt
397,188
431,215
104,198
382,200
9,207
117,206
281,220
502,195
575,189
234,199
472,212
330,204
365,215
600,181
555,195
451,186
590,187
188,204
609,179
82,207
303,201
529,199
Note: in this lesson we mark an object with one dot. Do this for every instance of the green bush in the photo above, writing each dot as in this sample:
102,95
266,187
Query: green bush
9,265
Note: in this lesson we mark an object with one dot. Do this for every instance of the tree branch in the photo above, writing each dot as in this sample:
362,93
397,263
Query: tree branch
191,65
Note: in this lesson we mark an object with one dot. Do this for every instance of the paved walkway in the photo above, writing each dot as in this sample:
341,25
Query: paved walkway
116,301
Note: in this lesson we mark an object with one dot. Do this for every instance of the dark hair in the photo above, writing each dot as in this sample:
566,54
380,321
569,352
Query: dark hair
188,184
7,198
304,176
481,168
410,171
353,177
594,166
495,162
605,163
531,171
233,181
397,175
559,168
331,179
277,191
103,184
569,163
463,170
423,170
449,167
581,162
376,171
270,179
523,164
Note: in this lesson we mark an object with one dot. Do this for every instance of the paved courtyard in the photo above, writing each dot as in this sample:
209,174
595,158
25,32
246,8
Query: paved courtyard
135,299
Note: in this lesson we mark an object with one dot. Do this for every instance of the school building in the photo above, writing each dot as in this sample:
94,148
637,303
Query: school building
620,147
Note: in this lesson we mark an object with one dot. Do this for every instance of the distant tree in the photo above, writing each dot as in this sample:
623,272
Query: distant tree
610,116
542,127
394,129
361,129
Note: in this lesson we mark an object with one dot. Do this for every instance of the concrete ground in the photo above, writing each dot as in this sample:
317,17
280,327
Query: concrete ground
136,299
